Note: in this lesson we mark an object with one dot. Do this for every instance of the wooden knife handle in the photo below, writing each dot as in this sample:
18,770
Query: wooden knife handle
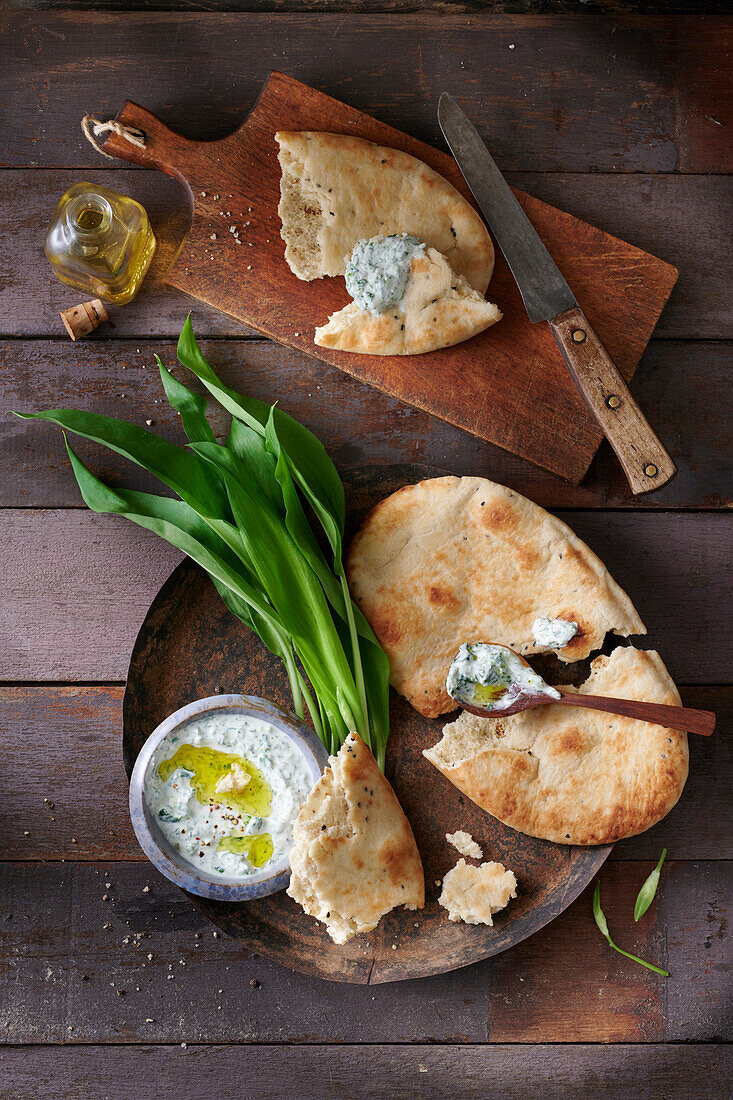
645,460
661,714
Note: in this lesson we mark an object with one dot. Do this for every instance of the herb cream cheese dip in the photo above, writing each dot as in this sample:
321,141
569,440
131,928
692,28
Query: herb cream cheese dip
553,633
225,791
492,676
377,271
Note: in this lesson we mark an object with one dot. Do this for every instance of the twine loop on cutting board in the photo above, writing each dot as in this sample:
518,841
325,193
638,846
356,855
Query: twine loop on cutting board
92,128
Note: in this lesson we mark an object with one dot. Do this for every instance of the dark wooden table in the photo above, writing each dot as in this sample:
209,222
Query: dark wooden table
111,983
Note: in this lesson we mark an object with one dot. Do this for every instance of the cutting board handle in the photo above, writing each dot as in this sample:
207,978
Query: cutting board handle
163,148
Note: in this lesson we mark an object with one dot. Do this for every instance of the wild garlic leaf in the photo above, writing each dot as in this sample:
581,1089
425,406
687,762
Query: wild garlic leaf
649,889
251,449
290,583
155,514
301,531
600,919
175,466
191,406
306,454
313,473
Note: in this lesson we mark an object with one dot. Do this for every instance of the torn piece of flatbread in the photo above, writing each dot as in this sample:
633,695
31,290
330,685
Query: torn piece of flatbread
438,309
473,894
464,843
569,775
354,857
337,190
462,559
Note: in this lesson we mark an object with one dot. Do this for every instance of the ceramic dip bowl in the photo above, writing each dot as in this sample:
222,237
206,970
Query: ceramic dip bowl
275,874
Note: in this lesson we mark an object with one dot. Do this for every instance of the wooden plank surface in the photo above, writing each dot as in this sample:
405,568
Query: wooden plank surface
678,382
402,1073
608,116
62,743
655,213
556,986
71,958
360,7
66,623
576,93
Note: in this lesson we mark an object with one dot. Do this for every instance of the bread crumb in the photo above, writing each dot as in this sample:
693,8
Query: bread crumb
464,843
474,894
235,780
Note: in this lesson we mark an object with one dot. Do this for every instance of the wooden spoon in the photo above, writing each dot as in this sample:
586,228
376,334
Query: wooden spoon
662,714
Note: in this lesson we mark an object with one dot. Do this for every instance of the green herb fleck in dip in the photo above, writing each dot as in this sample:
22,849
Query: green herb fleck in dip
377,271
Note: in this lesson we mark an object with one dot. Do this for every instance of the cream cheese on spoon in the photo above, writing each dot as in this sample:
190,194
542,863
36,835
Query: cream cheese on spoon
492,676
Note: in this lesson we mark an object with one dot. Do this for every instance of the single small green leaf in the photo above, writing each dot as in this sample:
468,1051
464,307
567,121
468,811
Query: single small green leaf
598,913
600,919
646,895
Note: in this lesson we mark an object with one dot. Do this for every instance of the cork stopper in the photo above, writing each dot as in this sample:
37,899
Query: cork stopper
84,318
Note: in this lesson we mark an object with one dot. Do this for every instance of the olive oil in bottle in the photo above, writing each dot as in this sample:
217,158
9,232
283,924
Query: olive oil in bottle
100,242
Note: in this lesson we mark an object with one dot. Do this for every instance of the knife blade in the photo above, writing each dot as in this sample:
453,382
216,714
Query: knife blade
544,291
547,297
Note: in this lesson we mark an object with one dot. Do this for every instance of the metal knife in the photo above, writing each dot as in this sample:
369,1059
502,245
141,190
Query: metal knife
547,297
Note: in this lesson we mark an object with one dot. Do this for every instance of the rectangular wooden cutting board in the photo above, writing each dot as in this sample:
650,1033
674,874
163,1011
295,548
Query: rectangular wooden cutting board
507,386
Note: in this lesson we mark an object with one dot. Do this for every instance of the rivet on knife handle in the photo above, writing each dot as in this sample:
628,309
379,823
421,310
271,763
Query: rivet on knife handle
645,460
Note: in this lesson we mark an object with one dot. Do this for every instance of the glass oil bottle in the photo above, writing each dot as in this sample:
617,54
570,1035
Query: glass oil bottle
100,242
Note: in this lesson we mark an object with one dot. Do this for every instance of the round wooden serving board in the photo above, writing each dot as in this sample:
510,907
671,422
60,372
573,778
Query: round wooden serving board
189,646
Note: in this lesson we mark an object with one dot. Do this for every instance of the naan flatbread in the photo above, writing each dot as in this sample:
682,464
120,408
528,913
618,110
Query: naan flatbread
569,775
337,190
354,857
438,309
454,560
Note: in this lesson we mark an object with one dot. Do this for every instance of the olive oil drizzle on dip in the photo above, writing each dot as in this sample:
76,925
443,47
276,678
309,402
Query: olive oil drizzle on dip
377,271
225,792
492,676
208,767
